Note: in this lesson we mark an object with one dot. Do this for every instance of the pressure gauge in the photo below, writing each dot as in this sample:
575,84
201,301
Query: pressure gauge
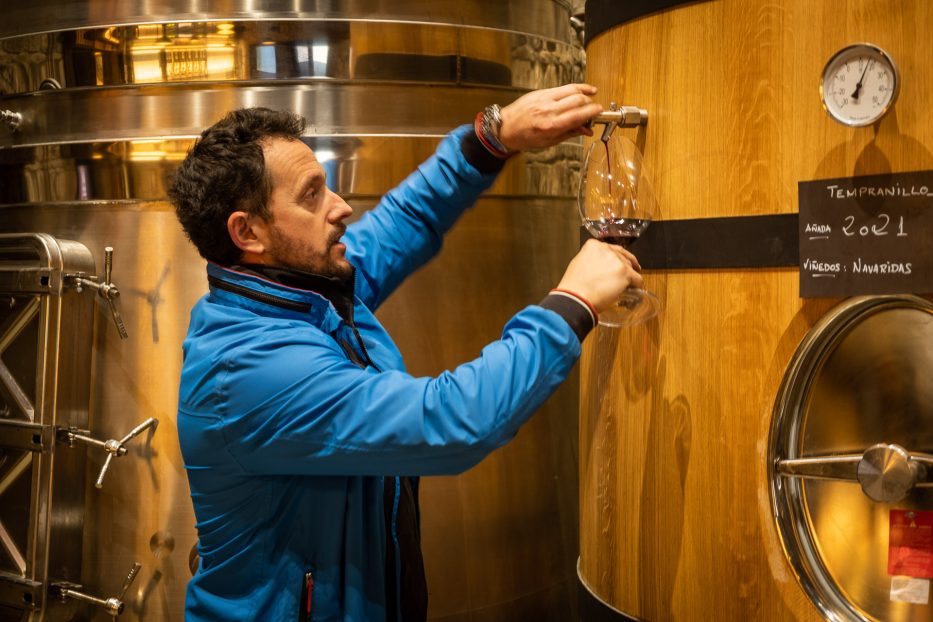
859,85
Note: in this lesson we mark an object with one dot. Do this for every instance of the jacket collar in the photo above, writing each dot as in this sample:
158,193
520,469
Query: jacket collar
291,291
339,292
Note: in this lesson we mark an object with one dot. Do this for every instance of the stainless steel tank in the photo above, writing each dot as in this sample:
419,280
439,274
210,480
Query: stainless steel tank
101,100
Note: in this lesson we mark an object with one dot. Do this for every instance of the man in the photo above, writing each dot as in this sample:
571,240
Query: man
301,432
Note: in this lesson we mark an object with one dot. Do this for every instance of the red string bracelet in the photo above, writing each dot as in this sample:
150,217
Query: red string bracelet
478,128
588,304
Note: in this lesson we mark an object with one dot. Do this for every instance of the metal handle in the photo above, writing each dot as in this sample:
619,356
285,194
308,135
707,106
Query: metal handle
886,472
118,319
113,447
108,263
113,605
130,577
110,292
106,290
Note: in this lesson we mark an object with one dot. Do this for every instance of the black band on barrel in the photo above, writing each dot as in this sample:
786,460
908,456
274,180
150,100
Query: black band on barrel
770,241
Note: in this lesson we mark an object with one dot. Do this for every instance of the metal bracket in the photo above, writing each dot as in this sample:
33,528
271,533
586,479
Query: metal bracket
18,592
13,120
26,436
26,281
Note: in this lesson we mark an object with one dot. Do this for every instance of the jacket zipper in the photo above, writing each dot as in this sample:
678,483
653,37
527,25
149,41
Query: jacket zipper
398,549
359,340
269,299
307,598
307,593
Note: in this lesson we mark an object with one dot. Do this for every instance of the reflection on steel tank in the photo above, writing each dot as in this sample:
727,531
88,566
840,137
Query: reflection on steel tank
101,102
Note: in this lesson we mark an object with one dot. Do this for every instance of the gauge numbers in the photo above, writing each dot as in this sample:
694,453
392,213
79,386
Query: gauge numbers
859,85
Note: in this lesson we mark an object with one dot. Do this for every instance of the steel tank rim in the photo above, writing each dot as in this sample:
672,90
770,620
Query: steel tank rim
798,541
134,12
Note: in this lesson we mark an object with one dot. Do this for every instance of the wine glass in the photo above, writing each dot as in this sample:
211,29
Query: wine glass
617,202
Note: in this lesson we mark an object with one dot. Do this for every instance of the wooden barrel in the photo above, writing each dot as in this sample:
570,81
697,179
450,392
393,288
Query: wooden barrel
107,97
675,519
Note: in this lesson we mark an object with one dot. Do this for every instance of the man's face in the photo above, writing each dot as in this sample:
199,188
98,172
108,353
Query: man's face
307,219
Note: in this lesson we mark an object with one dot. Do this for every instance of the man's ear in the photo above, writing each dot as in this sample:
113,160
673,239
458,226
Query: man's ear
247,232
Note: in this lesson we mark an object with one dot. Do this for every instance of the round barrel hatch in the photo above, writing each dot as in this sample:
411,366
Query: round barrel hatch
851,460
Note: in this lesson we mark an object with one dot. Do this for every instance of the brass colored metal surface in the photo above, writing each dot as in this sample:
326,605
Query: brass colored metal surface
138,170
258,51
543,18
156,112
111,96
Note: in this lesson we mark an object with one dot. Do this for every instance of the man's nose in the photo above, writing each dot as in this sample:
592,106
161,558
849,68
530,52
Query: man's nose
340,209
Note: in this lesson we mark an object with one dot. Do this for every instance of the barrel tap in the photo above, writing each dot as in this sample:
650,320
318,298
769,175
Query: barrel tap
619,116
106,290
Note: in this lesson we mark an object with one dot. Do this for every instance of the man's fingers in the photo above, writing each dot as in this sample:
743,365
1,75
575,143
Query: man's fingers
636,279
575,132
579,131
571,101
578,116
631,258
561,92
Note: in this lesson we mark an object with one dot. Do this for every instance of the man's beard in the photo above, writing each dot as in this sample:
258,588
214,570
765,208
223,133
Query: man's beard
295,254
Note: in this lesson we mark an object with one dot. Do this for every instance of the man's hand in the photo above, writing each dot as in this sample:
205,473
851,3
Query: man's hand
600,273
547,117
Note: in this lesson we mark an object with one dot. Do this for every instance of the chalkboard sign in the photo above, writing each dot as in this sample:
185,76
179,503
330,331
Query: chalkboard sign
866,235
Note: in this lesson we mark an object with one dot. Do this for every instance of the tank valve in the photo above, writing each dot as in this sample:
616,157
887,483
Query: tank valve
113,605
886,472
13,120
113,447
106,290
619,116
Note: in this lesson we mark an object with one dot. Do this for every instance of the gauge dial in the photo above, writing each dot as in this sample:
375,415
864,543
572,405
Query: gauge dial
860,84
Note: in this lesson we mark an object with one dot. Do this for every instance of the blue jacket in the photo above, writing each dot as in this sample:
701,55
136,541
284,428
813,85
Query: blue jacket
286,440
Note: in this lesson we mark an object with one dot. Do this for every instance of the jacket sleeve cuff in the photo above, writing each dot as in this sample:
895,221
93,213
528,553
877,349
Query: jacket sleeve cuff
478,156
575,312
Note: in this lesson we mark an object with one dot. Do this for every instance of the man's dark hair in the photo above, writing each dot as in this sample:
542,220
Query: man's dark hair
224,172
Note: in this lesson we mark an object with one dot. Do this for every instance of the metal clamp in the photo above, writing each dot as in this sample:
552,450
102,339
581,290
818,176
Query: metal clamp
113,605
578,23
106,290
113,447
619,116
13,120
886,472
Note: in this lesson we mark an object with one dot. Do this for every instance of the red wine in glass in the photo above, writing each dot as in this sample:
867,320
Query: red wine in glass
620,231
617,202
